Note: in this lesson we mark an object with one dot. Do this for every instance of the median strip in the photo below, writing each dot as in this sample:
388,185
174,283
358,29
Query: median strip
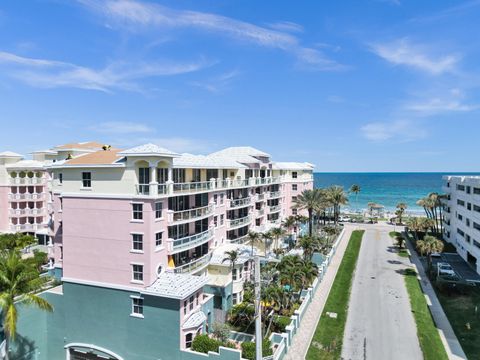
328,337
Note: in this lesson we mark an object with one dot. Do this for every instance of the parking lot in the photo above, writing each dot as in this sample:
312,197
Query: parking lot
459,265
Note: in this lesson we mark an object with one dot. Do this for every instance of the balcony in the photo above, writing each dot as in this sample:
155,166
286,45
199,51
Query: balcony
260,197
275,208
274,194
192,187
234,223
27,212
25,227
28,181
267,180
185,243
192,214
260,212
240,202
26,196
195,265
239,240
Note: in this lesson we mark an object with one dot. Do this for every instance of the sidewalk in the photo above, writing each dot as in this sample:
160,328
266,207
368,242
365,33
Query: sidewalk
303,337
452,345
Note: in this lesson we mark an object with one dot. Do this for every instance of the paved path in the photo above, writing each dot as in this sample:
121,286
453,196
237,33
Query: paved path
303,337
449,339
380,324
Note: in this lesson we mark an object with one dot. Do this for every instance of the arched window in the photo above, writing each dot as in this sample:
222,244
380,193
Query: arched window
188,340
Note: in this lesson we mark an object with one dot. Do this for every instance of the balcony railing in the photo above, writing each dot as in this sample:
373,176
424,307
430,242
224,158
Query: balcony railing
267,180
239,240
192,187
274,194
275,208
260,212
26,211
177,245
240,221
186,215
194,265
240,202
27,181
26,196
162,189
260,197
142,189
25,227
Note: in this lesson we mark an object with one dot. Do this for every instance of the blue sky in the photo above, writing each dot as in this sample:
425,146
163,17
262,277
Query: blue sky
374,85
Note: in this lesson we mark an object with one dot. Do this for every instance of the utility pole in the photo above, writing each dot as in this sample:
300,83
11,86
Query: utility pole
258,311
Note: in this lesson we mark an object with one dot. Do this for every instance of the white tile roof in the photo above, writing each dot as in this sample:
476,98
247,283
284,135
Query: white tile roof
201,161
219,254
292,166
177,286
10,154
148,150
243,154
195,320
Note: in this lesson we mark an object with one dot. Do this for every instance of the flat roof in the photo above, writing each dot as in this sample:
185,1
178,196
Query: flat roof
177,286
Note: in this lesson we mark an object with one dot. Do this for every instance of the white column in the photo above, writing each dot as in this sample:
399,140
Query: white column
153,180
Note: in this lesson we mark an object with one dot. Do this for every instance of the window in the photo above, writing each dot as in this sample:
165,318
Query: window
185,304
294,175
215,221
162,175
198,297
137,211
460,202
188,340
225,174
191,302
179,175
137,306
294,212
215,199
461,187
476,208
460,232
222,219
235,299
144,176
196,175
60,178
234,275
158,239
212,174
137,242
86,179
294,187
245,266
158,210
294,198
476,191
469,206
221,198
469,189
137,272
476,226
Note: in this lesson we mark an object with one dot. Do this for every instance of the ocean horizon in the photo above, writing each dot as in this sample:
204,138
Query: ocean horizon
385,188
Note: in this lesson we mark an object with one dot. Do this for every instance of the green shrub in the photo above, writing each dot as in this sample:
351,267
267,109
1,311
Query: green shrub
203,343
280,323
248,349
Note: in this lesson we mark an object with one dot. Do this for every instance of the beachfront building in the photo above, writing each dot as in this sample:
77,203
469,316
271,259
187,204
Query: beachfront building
138,236
461,216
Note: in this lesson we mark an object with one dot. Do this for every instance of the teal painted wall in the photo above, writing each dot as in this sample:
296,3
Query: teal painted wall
224,292
101,316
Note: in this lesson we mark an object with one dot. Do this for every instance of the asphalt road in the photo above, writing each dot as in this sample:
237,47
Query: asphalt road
380,324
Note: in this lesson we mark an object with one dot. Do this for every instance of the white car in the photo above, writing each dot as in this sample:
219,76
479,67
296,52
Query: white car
445,269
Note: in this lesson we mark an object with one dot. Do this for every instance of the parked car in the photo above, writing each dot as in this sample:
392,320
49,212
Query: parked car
445,269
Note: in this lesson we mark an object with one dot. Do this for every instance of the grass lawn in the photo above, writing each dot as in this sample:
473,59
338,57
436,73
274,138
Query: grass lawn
460,309
328,337
428,336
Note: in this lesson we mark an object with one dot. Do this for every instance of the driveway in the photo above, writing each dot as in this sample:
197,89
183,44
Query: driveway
380,324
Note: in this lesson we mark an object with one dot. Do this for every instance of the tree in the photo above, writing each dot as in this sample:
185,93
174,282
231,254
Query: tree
17,241
267,237
253,237
414,224
18,281
277,233
309,200
309,244
221,331
355,189
232,257
337,197
401,210
428,246
290,223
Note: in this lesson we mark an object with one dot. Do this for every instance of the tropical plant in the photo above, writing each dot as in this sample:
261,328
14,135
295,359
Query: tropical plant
221,331
17,241
401,207
414,224
309,200
337,197
203,343
232,257
309,244
18,282
355,189
290,223
254,238
249,349
428,246
267,238
277,233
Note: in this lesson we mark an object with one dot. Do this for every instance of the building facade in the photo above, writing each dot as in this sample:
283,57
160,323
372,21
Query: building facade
461,216
140,234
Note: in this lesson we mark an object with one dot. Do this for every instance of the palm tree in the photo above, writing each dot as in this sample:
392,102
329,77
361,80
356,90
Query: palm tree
337,197
401,210
267,237
309,245
308,200
428,246
310,272
414,224
231,256
277,233
355,189
18,281
290,223
253,237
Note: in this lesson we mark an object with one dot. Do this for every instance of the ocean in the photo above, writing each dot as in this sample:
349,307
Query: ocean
387,189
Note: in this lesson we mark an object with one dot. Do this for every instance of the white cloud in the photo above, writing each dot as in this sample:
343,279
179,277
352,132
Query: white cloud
46,73
451,101
287,26
137,16
403,52
218,83
121,127
398,131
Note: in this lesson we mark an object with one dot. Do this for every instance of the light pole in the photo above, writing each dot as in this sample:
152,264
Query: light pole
258,310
